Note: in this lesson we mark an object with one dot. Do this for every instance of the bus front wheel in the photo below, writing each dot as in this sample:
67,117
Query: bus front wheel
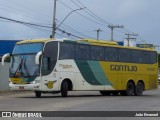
64,89
139,89
38,94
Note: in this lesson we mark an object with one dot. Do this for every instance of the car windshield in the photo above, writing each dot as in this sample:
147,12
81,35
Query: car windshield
23,66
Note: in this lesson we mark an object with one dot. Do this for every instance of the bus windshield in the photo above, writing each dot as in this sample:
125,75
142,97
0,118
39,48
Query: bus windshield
22,60
23,66
28,48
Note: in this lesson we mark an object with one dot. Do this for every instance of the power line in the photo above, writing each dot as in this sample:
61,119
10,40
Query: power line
59,34
14,11
141,39
69,34
88,11
75,31
33,24
27,23
82,15
91,13
101,22
27,8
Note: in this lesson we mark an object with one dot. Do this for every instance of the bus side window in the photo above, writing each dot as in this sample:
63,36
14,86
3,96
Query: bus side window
136,56
82,52
124,55
111,54
145,57
153,57
97,53
66,51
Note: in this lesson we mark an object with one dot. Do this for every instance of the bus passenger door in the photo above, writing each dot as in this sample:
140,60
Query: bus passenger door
49,74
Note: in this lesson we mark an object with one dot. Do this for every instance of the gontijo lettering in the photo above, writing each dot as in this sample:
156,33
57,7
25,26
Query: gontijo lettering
123,68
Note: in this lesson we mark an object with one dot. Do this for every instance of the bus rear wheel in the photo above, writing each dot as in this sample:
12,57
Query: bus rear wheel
130,88
64,89
123,93
139,89
105,93
38,94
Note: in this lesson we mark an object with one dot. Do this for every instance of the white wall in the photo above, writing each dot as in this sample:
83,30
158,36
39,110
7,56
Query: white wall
4,77
131,42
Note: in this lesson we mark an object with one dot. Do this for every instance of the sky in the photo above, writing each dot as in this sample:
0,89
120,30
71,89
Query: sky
137,16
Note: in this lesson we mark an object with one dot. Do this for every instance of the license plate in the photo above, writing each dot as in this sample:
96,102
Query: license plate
21,88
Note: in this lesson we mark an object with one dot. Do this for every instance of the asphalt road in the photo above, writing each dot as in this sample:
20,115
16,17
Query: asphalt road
81,101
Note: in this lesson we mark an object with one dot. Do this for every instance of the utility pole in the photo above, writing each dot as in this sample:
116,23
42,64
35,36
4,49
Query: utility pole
112,27
98,30
129,37
54,20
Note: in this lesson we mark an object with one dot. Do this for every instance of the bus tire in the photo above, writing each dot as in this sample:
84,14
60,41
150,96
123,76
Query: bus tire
105,93
123,93
139,89
130,88
38,94
64,89
115,93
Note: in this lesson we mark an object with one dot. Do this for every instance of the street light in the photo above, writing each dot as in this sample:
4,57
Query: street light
69,15
54,19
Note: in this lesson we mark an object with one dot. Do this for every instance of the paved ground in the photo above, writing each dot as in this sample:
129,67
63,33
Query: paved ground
80,101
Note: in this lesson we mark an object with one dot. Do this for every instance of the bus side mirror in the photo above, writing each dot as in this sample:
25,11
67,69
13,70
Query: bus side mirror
5,57
38,57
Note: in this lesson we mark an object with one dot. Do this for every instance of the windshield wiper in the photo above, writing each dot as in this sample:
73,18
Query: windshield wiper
19,67
25,68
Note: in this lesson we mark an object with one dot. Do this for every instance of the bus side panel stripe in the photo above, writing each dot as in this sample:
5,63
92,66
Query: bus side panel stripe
86,72
98,72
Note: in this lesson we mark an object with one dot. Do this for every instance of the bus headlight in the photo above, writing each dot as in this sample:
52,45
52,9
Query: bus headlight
10,81
35,81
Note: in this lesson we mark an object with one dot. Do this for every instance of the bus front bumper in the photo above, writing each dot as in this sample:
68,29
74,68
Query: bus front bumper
24,86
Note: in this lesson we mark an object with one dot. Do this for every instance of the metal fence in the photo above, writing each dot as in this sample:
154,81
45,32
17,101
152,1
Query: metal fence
4,77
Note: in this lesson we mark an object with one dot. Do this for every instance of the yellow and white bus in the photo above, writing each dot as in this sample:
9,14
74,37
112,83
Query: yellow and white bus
59,65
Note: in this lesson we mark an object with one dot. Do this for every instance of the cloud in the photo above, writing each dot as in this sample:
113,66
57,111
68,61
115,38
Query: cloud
131,7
